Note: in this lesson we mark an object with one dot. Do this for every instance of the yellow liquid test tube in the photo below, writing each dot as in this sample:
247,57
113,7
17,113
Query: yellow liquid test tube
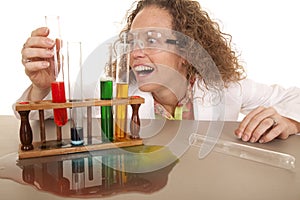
121,112
122,80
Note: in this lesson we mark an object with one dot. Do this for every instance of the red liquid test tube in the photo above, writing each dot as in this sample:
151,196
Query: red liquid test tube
59,96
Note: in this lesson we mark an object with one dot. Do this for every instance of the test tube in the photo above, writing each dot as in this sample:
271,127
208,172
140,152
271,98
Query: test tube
122,79
74,58
252,153
57,86
106,93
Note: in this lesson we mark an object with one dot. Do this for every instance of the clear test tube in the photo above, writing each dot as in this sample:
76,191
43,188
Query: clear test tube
57,86
122,80
74,60
252,153
106,93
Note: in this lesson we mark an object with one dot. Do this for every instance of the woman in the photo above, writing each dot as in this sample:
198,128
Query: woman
171,84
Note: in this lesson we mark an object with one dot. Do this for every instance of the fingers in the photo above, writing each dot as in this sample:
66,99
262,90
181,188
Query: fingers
283,128
264,128
42,31
30,53
31,67
249,122
39,42
34,59
39,39
264,125
257,123
272,134
36,50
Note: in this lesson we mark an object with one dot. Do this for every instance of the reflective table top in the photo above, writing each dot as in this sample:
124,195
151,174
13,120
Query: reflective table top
165,167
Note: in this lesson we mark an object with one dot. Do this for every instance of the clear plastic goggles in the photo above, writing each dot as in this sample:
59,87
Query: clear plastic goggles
153,40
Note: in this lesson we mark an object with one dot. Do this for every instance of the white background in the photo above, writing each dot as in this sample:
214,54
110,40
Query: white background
265,33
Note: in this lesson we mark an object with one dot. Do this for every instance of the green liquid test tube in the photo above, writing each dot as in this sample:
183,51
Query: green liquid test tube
106,86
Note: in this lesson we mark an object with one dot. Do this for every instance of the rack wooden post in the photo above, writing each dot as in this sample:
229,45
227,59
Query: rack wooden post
29,149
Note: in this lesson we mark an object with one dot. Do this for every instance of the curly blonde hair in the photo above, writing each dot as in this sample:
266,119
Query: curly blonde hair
190,19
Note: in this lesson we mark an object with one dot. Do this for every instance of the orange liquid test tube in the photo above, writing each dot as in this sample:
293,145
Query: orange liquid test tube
122,79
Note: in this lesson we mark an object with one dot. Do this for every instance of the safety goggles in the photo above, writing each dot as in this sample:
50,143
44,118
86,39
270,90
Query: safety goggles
152,40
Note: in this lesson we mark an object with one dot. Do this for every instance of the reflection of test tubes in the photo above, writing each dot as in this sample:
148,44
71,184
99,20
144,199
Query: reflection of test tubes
265,156
122,79
107,171
75,91
106,93
78,174
58,86
121,175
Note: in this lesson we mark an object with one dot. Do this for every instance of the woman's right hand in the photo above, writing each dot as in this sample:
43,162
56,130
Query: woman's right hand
37,51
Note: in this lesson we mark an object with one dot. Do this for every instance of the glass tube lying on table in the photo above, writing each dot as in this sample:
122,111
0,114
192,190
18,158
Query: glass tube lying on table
260,155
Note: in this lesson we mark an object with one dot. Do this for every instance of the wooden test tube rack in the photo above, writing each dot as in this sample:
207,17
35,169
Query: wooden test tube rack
30,149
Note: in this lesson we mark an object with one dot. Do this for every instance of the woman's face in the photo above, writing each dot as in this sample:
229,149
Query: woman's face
161,70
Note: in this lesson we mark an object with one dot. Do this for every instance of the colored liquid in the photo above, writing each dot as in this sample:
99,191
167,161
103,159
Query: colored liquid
106,87
77,136
107,130
121,112
59,96
122,90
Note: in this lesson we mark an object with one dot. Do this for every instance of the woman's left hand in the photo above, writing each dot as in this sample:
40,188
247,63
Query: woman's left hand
265,124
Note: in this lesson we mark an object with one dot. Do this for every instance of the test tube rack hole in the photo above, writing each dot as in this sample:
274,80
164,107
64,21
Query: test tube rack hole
30,149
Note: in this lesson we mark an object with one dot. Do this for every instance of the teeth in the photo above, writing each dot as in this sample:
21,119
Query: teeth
143,68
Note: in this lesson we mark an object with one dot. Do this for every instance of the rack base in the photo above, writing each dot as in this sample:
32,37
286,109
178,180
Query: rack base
53,147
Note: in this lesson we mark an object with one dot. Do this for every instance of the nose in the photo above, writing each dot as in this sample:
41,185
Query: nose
137,49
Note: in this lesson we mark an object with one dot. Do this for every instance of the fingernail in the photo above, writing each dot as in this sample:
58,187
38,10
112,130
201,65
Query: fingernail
49,53
261,141
45,64
238,134
46,30
253,139
245,138
49,41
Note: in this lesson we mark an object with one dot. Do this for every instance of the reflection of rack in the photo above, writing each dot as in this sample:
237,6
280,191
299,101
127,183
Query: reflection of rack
96,175
29,149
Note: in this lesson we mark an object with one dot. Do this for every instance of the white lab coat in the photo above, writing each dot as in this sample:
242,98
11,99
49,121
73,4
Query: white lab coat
238,98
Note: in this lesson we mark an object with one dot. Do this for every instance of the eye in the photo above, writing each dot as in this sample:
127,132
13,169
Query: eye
130,41
151,41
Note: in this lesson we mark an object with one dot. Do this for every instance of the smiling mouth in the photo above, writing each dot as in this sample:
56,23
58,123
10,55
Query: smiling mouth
143,70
